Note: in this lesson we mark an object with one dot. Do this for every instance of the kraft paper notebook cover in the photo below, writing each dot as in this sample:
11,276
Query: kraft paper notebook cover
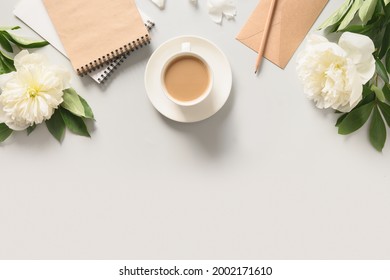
34,14
94,33
291,22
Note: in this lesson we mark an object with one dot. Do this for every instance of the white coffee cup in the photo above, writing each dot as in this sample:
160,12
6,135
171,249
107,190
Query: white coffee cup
187,52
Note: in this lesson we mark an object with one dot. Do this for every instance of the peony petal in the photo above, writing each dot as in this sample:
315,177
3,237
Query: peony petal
3,116
320,44
315,39
356,94
25,59
63,74
19,57
356,97
218,8
5,78
230,12
366,70
359,47
17,126
215,15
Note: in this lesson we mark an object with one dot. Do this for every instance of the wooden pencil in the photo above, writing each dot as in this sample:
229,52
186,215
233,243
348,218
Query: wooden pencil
265,35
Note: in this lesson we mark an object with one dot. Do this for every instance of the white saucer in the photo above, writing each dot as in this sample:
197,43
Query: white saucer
221,87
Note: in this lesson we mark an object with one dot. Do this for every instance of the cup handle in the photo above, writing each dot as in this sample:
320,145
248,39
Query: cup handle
186,47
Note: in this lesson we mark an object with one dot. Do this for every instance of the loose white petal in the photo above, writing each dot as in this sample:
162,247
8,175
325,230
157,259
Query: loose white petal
159,3
215,15
219,8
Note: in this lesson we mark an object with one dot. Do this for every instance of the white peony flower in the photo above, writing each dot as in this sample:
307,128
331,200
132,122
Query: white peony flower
333,75
31,94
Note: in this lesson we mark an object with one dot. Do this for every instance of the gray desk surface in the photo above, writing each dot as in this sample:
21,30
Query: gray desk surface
266,177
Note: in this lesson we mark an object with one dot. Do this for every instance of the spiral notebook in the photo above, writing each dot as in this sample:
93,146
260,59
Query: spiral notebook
95,33
34,14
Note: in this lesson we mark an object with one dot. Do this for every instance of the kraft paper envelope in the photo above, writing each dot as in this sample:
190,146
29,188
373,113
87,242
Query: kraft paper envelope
291,22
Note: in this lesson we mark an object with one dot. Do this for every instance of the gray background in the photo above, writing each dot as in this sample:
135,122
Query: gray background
266,177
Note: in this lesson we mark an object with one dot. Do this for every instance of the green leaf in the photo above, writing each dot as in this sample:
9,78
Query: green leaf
385,43
87,109
73,103
9,59
5,132
385,109
387,2
74,123
380,68
368,97
5,44
387,61
355,119
3,68
24,43
337,16
366,90
387,8
7,62
367,10
362,29
378,9
379,93
350,14
340,119
3,28
386,91
56,125
30,129
377,130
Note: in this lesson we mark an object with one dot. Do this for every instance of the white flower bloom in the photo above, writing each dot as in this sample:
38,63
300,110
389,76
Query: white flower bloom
220,8
333,75
32,93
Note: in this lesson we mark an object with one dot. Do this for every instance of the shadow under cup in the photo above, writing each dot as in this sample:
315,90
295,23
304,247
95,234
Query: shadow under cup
186,79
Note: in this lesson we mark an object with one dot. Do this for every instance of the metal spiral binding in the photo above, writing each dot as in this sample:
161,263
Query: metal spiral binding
111,69
108,58
149,25
117,62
